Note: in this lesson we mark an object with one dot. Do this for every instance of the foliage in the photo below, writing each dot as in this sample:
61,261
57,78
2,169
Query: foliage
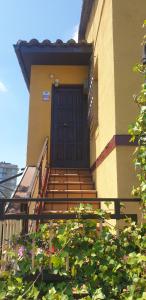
138,132
83,258
86,261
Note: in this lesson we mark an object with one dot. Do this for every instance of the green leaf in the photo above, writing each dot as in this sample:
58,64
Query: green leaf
2,295
19,280
73,271
98,295
20,298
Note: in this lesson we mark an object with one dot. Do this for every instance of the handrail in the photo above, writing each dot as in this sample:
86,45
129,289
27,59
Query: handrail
40,165
39,178
42,152
68,200
31,184
38,172
12,177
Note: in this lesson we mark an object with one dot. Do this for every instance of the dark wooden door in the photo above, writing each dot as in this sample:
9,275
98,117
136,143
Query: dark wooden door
70,141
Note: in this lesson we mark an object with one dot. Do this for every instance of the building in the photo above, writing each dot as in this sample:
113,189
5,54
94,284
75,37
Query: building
7,170
81,100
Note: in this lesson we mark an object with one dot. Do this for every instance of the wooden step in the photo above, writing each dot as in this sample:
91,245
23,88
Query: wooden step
64,207
70,175
71,194
70,171
69,182
70,178
70,186
67,205
76,191
86,169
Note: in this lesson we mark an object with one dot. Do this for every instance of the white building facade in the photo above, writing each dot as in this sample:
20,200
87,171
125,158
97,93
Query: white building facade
7,170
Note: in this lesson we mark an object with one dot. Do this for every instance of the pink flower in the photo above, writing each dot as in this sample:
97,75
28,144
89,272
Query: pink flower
21,251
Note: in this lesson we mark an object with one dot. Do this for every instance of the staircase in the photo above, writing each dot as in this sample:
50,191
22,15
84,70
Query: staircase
69,184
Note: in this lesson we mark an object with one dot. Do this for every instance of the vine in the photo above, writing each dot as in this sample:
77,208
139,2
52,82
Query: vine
84,262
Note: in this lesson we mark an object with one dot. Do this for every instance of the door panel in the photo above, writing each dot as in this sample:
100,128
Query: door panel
70,142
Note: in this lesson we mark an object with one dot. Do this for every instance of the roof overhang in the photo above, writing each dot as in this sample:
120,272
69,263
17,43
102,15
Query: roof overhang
47,53
85,14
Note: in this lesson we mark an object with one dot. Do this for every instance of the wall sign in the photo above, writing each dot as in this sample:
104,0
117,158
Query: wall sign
46,95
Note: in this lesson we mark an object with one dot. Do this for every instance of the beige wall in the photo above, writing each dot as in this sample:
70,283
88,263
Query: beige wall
126,176
106,177
100,32
39,110
128,17
115,28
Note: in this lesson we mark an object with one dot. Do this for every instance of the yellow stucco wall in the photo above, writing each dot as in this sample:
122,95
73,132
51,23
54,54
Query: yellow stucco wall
115,28
100,32
103,72
126,176
39,110
128,17
128,34
107,185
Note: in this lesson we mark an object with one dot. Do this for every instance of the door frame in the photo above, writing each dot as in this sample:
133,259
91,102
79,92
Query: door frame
52,108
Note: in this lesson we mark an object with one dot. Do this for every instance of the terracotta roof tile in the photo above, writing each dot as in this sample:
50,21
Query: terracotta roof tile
46,42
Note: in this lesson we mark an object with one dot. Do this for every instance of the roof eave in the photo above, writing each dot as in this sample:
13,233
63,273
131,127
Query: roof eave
22,64
85,14
47,53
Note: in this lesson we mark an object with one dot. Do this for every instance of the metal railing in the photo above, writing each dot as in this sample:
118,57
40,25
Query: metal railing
10,178
24,214
18,223
40,177
21,204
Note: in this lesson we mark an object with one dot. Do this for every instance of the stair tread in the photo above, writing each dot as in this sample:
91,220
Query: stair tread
57,211
62,175
78,169
71,191
68,199
70,182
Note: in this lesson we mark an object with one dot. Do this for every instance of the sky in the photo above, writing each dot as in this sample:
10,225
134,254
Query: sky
24,20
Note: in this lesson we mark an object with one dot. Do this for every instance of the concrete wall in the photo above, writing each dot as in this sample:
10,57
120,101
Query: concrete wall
39,110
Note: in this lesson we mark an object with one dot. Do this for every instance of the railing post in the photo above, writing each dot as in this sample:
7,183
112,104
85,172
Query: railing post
9,231
4,252
1,239
33,246
100,225
50,244
40,178
24,209
2,210
117,208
